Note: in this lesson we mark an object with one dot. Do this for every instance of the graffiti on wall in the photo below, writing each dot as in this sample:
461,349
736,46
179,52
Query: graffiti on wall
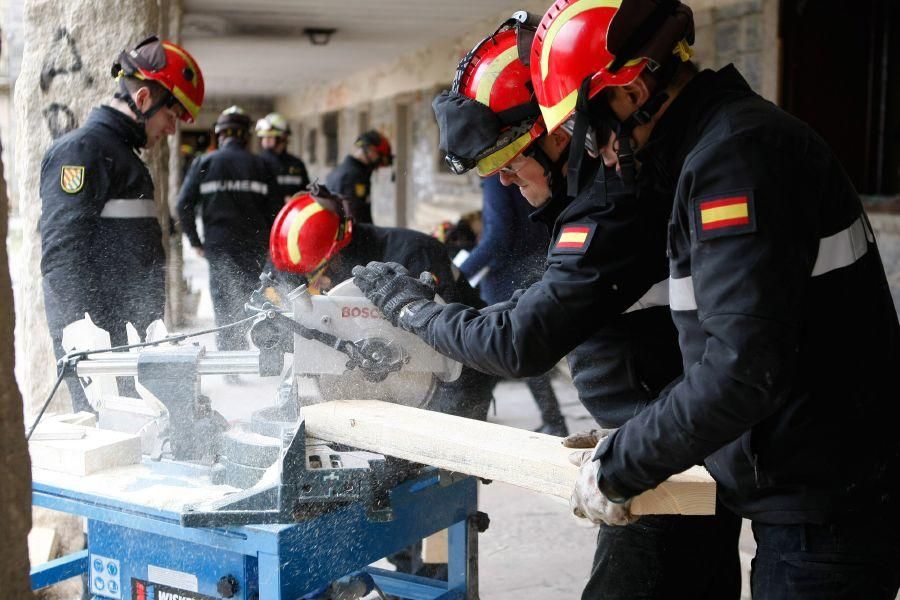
63,60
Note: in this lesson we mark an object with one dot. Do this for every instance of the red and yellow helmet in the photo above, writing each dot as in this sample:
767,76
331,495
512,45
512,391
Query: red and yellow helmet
379,143
575,42
307,234
506,119
169,65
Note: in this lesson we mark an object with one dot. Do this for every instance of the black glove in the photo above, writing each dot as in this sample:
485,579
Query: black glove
389,287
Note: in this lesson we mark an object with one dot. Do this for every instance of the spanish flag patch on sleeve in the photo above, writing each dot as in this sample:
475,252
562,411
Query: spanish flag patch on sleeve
724,215
574,239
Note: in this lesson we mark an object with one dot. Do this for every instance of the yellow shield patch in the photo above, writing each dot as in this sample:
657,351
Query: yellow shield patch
360,190
71,179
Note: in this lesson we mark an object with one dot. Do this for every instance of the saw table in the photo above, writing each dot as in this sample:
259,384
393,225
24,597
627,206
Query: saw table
137,546
253,510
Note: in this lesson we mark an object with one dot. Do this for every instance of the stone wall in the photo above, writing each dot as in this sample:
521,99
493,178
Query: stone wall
69,48
745,33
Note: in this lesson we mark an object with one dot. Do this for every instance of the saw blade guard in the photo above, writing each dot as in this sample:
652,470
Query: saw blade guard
402,368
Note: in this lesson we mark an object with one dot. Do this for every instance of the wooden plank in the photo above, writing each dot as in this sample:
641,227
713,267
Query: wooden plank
95,450
83,418
43,545
523,458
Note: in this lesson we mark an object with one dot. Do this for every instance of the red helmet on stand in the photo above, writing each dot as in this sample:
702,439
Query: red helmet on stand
609,42
169,65
489,116
308,232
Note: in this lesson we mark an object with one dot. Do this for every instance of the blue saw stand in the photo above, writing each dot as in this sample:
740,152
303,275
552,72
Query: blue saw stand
136,551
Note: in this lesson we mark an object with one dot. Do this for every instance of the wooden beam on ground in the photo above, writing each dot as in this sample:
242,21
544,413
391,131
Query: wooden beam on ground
435,548
43,545
519,457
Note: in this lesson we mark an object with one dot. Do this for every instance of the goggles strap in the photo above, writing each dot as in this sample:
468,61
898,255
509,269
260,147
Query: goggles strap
579,136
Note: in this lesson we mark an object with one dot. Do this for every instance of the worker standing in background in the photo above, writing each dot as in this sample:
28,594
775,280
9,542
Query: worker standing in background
602,301
238,200
273,131
353,177
511,255
786,324
101,243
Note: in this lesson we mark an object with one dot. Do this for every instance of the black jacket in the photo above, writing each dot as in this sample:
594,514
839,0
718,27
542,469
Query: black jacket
239,199
290,172
101,243
353,179
790,339
597,297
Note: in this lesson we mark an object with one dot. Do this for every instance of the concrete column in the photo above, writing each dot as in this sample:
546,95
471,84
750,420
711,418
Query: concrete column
176,284
69,49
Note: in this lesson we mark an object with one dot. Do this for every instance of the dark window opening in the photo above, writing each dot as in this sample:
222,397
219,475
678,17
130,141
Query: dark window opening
311,140
330,131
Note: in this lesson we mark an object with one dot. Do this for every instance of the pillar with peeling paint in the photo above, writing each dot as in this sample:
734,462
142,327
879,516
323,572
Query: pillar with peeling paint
66,70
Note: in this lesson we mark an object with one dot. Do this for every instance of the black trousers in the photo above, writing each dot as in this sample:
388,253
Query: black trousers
545,398
668,556
845,561
232,278
60,313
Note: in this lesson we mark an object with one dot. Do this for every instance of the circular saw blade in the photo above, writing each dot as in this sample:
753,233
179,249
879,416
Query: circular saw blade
410,389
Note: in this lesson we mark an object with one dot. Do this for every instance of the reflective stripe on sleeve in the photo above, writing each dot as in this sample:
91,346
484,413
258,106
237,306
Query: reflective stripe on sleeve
843,248
289,179
657,295
681,293
136,208
835,252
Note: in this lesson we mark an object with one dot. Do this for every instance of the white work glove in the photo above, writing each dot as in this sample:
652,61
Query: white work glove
587,501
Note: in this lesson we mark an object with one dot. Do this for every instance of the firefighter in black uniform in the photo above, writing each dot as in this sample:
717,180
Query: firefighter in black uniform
602,300
101,241
789,336
273,131
353,177
239,200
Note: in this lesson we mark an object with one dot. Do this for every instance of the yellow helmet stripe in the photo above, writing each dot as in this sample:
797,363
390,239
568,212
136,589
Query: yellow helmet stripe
186,58
555,115
188,104
567,14
486,83
293,243
490,163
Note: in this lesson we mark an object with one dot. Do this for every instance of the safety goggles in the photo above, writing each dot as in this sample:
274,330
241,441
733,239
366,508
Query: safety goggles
470,132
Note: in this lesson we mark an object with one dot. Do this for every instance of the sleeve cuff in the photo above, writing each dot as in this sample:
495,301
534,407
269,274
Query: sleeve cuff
414,317
610,484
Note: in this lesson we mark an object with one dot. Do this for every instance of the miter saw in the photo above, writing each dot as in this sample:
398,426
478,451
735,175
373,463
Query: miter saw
342,348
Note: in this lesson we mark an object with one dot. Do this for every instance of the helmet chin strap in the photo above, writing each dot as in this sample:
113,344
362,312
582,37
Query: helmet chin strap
556,179
140,116
587,114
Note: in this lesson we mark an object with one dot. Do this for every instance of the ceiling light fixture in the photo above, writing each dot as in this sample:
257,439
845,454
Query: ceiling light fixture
319,36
